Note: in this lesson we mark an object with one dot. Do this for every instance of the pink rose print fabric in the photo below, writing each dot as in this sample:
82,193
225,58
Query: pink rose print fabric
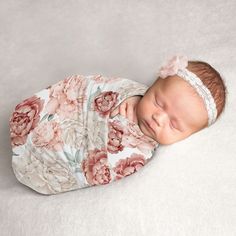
24,119
63,138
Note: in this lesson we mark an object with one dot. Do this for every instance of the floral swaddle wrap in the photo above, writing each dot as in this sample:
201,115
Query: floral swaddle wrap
63,138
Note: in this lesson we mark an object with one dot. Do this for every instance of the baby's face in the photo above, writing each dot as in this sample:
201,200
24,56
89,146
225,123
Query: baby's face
172,109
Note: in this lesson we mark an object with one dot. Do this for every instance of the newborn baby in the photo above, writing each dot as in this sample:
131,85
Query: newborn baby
92,130
171,109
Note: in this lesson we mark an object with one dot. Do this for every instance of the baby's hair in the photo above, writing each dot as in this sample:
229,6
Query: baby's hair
212,80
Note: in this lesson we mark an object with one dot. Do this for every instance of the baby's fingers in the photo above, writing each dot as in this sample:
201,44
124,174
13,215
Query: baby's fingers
114,112
130,113
123,107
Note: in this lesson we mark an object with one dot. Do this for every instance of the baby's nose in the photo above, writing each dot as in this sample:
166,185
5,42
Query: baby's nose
160,118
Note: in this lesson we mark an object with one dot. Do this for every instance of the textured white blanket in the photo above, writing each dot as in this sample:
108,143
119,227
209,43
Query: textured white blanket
190,188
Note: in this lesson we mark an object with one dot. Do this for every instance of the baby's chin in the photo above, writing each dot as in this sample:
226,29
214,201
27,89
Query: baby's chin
148,133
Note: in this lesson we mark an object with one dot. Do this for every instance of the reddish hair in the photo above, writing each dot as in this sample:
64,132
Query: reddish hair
212,80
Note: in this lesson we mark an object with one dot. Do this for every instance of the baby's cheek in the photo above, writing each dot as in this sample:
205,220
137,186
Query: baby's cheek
141,107
165,137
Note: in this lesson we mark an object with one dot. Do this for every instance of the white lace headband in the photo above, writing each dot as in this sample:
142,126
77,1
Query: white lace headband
177,66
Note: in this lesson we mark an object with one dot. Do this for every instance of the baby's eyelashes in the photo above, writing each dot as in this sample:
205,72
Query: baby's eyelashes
172,126
157,103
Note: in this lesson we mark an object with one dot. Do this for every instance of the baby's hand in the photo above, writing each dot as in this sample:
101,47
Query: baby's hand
127,108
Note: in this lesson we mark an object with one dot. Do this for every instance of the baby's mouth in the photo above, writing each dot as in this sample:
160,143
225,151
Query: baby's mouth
149,127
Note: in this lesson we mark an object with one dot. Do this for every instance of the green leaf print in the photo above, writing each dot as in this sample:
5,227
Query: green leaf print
92,97
69,157
78,169
50,117
78,156
44,117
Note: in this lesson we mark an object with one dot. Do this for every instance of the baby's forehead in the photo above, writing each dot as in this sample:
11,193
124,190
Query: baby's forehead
174,85
177,94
